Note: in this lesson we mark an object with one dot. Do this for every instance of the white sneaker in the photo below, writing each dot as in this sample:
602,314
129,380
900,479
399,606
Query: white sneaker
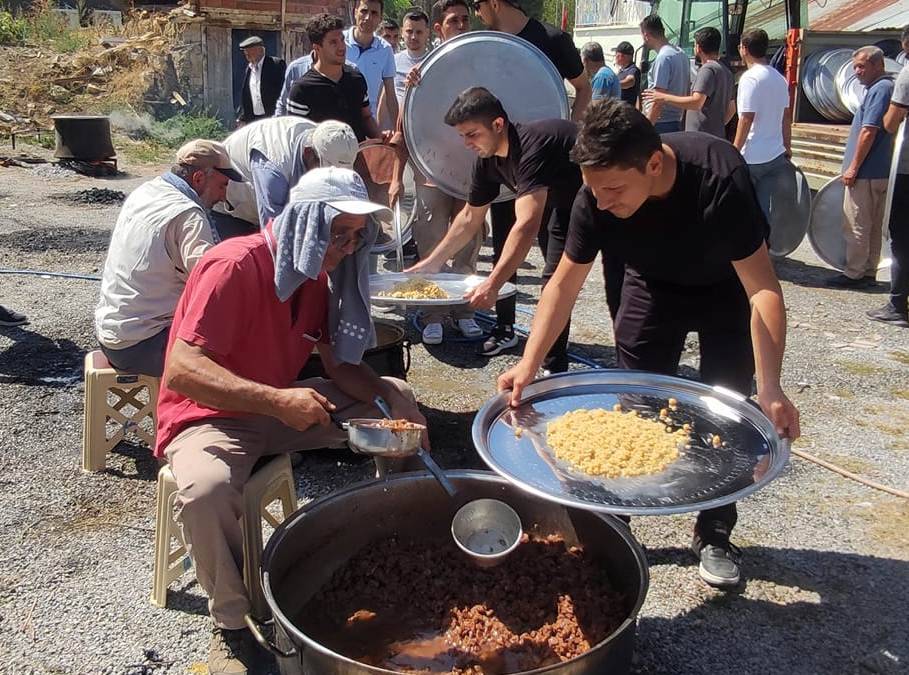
469,328
432,334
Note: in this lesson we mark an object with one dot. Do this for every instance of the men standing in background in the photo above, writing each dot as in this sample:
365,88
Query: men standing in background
372,56
434,210
764,129
390,31
604,83
416,39
332,89
670,73
629,73
866,169
895,311
711,104
261,83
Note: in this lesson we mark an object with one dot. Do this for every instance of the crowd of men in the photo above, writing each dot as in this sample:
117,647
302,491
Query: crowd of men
226,273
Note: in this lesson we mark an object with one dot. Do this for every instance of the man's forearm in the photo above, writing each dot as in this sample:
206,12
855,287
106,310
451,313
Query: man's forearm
787,130
371,128
692,102
582,95
894,117
391,103
742,129
863,147
554,310
463,229
768,333
198,377
653,114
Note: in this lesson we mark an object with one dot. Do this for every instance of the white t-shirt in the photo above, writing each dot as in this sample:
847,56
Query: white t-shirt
764,92
404,62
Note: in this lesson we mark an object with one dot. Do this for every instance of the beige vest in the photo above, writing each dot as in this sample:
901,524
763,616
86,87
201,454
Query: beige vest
275,137
141,284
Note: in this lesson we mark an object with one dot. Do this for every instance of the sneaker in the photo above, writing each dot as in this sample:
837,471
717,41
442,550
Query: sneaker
10,318
842,281
889,314
502,338
231,652
432,334
469,328
719,563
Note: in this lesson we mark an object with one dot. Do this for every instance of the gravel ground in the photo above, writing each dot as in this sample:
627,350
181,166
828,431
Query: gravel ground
826,558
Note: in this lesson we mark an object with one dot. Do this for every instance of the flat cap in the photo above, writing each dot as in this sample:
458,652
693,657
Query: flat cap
254,41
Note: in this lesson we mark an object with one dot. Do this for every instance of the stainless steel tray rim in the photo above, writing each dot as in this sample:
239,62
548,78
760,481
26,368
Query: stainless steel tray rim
779,448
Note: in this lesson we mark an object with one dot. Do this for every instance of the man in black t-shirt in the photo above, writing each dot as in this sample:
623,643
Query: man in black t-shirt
629,73
331,89
681,211
531,160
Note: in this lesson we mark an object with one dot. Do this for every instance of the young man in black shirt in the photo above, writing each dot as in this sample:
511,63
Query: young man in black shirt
331,89
681,211
531,160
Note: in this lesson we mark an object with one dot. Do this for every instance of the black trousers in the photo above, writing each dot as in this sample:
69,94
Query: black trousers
651,327
899,243
551,239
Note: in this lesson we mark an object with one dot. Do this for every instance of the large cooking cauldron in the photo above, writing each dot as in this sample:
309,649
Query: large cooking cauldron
83,137
308,547
389,358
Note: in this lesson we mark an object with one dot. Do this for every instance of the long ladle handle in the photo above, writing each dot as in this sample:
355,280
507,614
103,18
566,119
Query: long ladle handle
437,472
383,407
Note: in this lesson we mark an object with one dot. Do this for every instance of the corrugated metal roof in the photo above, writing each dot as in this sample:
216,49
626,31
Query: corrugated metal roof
830,15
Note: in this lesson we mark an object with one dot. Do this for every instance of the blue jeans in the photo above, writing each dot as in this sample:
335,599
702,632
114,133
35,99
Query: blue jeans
668,127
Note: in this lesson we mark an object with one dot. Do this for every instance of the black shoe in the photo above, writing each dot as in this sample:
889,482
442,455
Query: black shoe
719,563
889,314
10,318
842,281
502,338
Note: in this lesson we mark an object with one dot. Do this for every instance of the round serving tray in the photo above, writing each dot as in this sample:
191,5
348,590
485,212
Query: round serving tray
704,476
456,285
515,71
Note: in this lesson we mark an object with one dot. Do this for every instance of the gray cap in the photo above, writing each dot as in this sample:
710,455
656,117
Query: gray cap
342,189
254,41
334,142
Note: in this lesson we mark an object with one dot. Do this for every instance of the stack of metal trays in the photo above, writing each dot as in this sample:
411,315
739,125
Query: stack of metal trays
851,91
512,441
516,72
831,86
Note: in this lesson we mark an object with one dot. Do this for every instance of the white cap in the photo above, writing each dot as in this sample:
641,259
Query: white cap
342,189
334,142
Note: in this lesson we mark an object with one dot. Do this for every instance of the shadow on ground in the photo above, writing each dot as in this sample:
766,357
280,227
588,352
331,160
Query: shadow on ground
826,612
36,360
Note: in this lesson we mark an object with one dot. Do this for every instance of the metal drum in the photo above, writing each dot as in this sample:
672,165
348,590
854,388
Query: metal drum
513,442
515,71
825,232
788,226
83,137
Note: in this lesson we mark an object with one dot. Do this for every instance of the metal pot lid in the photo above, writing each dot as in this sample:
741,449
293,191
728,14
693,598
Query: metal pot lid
455,285
788,227
825,230
514,70
703,477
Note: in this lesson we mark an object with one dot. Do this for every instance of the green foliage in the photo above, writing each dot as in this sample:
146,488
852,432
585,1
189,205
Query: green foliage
13,29
180,128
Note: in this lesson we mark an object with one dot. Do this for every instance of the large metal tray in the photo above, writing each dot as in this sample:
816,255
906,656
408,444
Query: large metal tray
703,477
456,285
788,228
515,71
825,231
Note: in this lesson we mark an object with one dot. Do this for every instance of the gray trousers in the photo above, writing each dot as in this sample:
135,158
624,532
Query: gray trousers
143,358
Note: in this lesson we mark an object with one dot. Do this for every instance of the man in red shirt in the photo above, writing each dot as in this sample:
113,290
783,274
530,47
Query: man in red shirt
229,395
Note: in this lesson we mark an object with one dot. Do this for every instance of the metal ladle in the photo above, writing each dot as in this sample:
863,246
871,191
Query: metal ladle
418,450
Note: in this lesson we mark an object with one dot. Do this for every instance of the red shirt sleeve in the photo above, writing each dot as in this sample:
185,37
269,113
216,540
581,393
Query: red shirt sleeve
215,305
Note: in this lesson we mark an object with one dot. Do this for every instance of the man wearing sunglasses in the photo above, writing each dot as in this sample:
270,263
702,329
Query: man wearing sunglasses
253,310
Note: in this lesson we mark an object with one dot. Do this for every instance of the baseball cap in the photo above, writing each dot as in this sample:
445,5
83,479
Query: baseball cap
624,48
204,154
340,188
334,142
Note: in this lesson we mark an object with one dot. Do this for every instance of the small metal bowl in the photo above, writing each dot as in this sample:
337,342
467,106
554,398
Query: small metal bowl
368,437
487,530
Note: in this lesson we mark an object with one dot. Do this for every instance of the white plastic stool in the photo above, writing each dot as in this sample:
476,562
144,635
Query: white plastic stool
100,379
271,481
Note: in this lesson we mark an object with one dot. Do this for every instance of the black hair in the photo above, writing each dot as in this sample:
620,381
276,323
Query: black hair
593,51
475,104
416,14
708,39
381,4
389,24
441,6
654,25
614,134
755,43
320,25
